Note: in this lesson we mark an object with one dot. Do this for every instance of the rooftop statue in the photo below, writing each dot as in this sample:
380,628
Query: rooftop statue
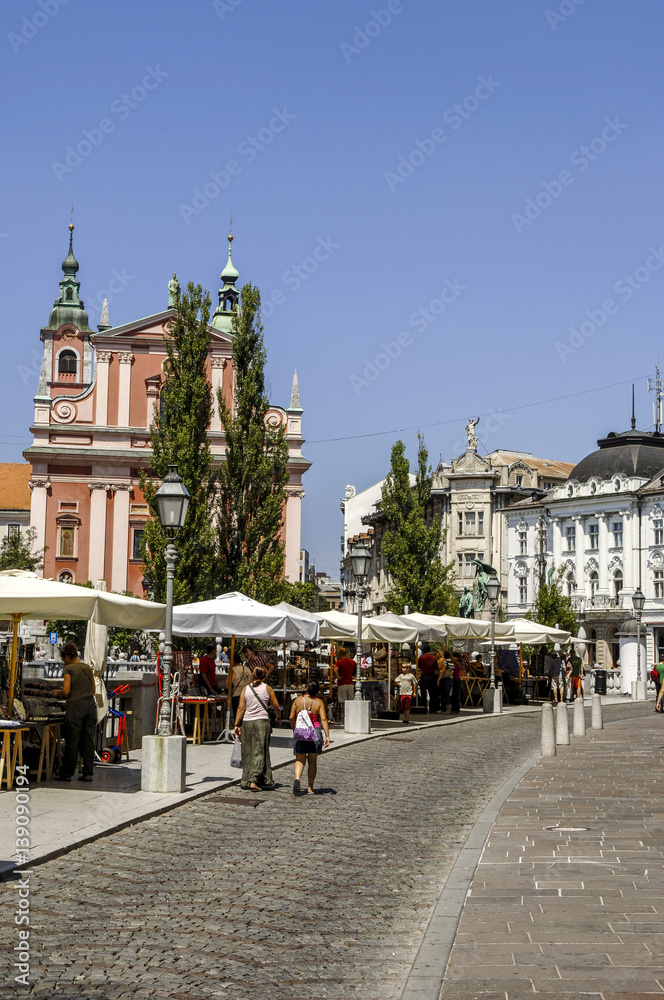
470,431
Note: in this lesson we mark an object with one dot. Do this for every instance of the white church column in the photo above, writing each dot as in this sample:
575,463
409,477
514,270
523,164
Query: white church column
102,361
556,541
97,552
603,554
294,495
120,553
218,364
125,359
40,486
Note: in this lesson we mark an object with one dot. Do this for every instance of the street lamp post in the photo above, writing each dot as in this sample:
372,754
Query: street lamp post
638,603
493,592
360,559
172,499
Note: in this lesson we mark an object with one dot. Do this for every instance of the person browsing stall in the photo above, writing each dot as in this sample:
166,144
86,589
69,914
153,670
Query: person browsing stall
78,687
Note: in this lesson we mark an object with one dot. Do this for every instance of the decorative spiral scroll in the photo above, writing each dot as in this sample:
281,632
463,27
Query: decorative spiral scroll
64,411
273,420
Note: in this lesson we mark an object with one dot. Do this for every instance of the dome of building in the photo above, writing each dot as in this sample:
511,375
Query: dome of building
632,453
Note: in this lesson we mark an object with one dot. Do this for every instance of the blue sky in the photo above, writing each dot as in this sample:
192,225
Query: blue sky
480,183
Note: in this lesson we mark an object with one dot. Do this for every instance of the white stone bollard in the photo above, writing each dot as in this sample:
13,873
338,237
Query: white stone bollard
548,732
598,721
579,717
562,725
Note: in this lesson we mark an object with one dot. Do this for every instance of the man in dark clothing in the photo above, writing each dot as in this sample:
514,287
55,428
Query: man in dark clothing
78,687
427,666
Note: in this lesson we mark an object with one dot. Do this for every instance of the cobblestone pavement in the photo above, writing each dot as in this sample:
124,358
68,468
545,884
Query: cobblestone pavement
270,896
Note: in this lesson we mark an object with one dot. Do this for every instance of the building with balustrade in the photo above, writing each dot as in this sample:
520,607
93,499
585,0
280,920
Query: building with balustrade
605,527
91,432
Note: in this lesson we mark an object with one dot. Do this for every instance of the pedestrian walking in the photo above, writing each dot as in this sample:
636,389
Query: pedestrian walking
407,684
557,677
252,726
427,666
575,664
344,671
78,687
445,671
307,751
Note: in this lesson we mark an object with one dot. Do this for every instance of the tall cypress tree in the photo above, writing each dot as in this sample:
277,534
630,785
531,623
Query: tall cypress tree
251,481
179,437
412,539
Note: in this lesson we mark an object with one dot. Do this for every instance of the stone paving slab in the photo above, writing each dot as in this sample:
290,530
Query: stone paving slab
590,901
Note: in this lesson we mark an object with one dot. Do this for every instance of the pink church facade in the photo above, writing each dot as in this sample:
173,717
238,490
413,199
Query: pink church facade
92,413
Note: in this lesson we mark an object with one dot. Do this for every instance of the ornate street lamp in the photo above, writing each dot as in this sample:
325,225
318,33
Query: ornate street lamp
493,593
172,499
360,559
638,603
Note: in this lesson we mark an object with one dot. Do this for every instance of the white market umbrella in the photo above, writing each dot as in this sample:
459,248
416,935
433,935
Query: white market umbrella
533,633
426,632
26,595
339,625
236,614
461,628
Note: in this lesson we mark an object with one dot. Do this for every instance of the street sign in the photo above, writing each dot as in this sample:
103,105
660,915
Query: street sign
53,638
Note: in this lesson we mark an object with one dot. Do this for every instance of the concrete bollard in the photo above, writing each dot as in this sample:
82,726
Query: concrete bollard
562,725
598,721
579,718
548,733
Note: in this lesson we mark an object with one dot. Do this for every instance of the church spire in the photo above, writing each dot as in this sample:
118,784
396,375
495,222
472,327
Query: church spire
295,395
228,294
69,307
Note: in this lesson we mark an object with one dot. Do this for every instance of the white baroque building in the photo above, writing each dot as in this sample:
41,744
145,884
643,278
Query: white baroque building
605,527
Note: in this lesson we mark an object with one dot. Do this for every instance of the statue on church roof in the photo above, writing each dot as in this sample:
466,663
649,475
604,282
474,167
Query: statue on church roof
173,292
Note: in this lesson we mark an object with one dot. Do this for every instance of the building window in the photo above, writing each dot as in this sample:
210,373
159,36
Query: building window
523,543
659,530
618,534
13,530
459,565
468,567
522,583
570,583
480,522
570,535
594,583
593,536
658,577
519,482
617,582
137,543
67,543
460,523
67,361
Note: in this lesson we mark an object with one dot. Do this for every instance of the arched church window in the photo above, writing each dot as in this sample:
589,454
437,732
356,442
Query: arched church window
67,362
617,582
594,582
70,294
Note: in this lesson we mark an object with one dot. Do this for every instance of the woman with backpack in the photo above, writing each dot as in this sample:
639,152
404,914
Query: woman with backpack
252,726
308,718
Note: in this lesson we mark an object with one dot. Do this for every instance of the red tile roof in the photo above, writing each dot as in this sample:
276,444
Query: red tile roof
14,490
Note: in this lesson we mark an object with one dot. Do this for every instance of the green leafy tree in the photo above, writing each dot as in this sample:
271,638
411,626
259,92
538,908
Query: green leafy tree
552,606
412,539
303,595
17,551
179,437
252,480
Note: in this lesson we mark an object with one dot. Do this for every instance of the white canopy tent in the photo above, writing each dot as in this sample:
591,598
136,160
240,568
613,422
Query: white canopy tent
532,633
26,595
339,625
